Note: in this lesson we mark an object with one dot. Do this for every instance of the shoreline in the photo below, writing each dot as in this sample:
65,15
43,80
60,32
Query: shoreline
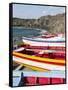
20,27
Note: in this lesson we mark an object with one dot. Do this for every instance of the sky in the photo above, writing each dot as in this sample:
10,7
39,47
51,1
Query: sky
35,11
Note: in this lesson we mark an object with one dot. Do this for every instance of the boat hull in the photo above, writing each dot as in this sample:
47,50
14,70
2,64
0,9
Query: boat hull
41,43
38,63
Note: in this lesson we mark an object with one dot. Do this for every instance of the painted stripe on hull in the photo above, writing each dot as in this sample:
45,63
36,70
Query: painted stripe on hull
32,67
45,47
39,58
46,62
44,40
33,43
47,51
53,74
40,65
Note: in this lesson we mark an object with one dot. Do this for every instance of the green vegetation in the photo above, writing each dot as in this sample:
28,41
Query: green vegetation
55,24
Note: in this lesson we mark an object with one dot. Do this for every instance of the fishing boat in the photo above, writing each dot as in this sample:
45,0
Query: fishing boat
21,78
26,76
42,60
45,42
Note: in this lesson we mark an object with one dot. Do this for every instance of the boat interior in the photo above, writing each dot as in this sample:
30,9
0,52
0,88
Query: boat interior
44,53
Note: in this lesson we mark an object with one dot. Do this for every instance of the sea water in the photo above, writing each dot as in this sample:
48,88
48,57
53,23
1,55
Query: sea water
19,32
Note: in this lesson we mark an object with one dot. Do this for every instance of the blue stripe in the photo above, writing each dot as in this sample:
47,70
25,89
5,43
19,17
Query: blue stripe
54,73
44,41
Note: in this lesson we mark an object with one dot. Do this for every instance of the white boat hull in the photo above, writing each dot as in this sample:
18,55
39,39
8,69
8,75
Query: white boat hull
45,43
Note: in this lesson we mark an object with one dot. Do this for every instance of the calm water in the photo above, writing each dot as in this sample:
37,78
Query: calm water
19,32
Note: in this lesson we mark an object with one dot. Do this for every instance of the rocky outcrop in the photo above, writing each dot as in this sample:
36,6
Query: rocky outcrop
54,24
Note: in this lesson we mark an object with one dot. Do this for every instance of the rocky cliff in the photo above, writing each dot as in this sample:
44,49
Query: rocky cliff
54,24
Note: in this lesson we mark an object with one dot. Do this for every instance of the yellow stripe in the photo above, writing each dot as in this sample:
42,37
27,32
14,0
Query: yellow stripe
39,58
31,67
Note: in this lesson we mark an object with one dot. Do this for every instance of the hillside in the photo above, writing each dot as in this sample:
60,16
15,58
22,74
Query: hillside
54,24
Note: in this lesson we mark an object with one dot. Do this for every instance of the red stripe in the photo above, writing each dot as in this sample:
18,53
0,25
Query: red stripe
46,47
54,56
55,53
54,63
57,58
